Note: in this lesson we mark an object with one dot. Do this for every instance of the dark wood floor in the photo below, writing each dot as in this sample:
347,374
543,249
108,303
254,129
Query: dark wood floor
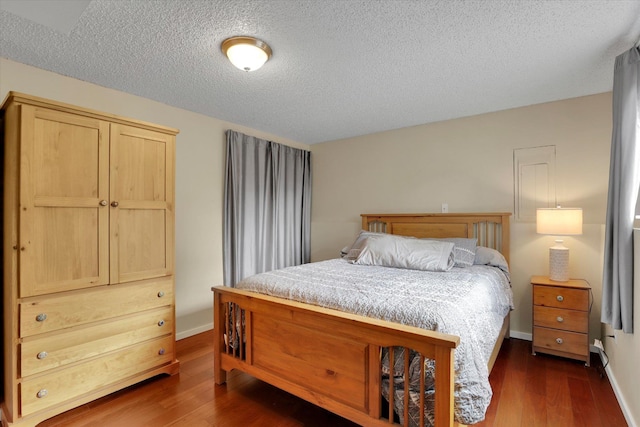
528,391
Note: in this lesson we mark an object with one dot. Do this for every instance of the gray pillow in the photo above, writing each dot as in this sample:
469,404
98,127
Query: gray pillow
488,256
390,250
464,250
352,252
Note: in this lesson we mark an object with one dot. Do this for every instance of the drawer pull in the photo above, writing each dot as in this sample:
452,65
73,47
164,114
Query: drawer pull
161,351
560,319
42,355
41,317
559,340
160,294
161,323
560,298
42,393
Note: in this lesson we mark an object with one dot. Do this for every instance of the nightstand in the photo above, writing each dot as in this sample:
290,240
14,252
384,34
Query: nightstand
561,317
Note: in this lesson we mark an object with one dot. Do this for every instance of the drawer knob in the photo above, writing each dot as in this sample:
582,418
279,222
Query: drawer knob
560,298
560,319
161,323
42,393
160,294
103,203
559,340
42,355
115,204
161,351
41,317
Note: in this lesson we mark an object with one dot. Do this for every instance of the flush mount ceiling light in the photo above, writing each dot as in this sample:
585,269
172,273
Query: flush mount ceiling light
246,53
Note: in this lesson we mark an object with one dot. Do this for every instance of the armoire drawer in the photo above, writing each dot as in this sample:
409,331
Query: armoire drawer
65,310
48,351
44,391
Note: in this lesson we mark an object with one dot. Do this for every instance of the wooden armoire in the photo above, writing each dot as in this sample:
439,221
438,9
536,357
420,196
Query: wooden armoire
88,255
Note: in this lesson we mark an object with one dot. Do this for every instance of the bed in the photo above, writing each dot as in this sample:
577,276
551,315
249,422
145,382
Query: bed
344,361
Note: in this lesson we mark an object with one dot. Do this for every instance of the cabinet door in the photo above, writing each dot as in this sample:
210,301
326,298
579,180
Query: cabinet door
64,228
142,186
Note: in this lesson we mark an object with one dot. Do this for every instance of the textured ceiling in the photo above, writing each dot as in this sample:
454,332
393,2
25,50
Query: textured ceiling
340,68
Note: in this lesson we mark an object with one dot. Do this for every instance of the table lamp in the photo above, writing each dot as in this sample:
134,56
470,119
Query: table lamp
559,222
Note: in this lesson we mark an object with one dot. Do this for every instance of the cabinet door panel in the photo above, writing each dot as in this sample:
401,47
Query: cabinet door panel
63,227
144,230
142,170
141,166
68,252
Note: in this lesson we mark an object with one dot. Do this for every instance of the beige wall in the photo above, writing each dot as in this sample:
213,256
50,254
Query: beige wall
200,148
468,163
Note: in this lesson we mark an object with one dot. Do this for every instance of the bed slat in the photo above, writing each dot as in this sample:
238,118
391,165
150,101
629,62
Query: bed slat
392,362
406,386
422,390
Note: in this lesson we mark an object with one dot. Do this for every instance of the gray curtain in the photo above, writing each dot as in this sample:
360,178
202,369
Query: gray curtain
624,183
267,207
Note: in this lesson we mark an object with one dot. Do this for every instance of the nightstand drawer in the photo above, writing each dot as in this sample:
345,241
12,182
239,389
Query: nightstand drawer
559,297
567,342
557,318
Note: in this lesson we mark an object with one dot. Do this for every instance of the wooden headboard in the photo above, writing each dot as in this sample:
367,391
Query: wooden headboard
491,229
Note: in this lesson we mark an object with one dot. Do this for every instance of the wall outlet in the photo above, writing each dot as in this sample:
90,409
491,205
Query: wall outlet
598,344
445,207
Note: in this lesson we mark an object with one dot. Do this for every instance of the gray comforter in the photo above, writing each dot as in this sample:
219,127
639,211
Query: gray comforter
468,302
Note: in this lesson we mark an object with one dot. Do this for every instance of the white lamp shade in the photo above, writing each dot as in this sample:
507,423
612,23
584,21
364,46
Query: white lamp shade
559,221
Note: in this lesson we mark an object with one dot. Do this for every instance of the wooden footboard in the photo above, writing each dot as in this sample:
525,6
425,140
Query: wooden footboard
328,357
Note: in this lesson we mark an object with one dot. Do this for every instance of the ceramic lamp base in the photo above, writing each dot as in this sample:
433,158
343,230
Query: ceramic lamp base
559,262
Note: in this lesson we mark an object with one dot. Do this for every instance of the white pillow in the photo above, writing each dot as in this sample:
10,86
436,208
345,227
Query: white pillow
406,252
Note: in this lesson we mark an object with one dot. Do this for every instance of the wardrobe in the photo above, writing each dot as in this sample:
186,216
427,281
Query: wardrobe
88,255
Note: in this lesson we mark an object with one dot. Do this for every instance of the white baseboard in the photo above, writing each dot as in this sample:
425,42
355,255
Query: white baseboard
194,331
521,335
616,390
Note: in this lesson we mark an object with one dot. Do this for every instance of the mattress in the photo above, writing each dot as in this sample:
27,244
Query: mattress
469,302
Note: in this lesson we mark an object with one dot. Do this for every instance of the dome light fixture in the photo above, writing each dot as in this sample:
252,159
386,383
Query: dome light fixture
246,53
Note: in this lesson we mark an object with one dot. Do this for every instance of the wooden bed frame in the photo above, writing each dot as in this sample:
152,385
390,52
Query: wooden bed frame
331,358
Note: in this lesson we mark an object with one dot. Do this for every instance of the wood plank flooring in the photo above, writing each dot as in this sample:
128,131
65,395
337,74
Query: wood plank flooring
528,391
